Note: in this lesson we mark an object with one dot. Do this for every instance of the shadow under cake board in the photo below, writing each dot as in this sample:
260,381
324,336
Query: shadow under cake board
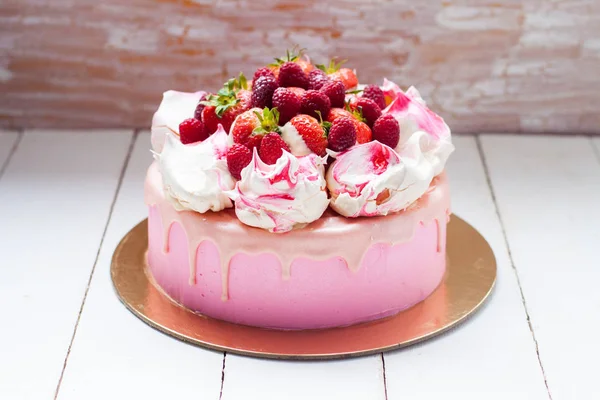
469,279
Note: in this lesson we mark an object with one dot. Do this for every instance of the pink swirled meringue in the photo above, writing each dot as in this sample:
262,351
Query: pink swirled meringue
195,176
280,197
372,179
174,108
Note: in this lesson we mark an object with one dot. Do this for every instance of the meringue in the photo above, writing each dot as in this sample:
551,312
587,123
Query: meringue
195,176
283,196
174,108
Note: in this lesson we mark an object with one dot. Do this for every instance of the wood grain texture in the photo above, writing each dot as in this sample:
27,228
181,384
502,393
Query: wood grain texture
547,194
484,65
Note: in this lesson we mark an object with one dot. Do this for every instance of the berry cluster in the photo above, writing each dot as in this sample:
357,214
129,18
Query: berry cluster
321,102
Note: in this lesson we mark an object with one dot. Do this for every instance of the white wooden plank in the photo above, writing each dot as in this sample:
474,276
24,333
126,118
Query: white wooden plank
492,355
8,139
114,354
596,145
353,379
548,192
55,198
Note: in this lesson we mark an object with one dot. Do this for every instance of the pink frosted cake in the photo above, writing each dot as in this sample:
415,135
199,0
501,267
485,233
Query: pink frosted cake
300,200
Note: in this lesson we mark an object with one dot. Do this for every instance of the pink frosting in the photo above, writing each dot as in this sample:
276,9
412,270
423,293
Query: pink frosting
336,271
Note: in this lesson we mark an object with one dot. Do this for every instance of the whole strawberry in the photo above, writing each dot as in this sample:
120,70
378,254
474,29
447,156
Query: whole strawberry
291,74
262,91
363,132
238,156
334,72
250,126
342,134
336,113
271,148
386,130
316,79
374,93
264,71
312,133
191,131
369,109
336,91
315,103
287,103
223,107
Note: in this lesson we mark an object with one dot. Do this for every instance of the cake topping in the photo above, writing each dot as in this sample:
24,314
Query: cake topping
342,134
374,93
262,91
315,103
386,130
272,147
195,176
287,102
229,102
335,72
238,156
250,127
191,131
304,134
292,74
336,91
282,196
174,108
316,79
369,110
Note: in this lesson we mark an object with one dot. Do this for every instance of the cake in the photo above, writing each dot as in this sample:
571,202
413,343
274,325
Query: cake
299,199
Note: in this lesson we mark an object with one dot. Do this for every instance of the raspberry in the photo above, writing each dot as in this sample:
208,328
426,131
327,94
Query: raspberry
192,130
200,106
262,92
316,79
370,110
336,91
264,71
386,130
291,74
298,90
272,147
342,134
374,93
315,102
287,103
238,157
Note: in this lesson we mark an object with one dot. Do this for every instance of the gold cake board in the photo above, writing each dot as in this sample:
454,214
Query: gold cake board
469,279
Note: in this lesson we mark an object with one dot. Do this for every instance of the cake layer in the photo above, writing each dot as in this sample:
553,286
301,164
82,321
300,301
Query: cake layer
336,271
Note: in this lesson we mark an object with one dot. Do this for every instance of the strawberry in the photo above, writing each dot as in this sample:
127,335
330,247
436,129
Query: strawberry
264,71
336,113
386,130
368,108
342,134
262,91
238,156
191,131
250,126
363,132
312,132
315,102
295,56
226,105
374,93
287,103
334,72
316,79
336,91
291,74
271,148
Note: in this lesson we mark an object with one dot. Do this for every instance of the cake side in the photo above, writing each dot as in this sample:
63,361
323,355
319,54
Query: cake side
332,272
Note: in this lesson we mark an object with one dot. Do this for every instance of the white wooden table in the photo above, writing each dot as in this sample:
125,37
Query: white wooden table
67,198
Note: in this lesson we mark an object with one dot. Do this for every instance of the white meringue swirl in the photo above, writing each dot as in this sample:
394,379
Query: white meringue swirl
174,108
280,197
195,176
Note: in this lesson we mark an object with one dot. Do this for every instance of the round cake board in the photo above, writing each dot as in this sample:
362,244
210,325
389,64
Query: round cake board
469,279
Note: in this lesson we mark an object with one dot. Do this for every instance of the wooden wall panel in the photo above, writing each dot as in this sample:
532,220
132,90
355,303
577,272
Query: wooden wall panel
501,65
